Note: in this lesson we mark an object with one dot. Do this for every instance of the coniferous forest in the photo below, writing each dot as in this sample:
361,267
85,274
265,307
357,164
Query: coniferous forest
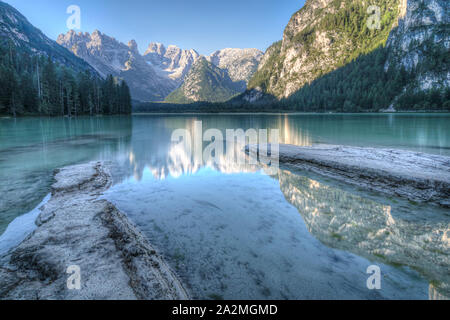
364,85
33,84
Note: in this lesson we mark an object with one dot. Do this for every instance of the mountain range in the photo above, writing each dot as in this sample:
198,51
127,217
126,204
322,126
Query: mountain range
40,77
109,56
329,59
160,70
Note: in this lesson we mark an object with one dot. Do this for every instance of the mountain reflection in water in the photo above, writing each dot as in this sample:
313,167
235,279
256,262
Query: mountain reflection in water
232,229
346,221
388,231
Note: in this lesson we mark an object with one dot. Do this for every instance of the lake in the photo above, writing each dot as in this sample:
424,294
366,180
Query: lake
238,231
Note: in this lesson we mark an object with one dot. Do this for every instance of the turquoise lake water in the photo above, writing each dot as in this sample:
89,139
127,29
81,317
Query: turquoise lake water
238,232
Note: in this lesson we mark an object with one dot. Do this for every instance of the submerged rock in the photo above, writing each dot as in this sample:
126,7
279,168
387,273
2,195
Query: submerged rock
75,228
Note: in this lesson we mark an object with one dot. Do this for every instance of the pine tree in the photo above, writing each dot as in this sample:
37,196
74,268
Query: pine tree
33,84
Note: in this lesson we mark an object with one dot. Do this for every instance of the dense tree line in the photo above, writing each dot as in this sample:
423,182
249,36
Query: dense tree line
365,86
36,85
362,85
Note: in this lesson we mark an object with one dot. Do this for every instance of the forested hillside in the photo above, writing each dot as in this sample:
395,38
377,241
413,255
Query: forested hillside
37,85
364,85
330,60
320,38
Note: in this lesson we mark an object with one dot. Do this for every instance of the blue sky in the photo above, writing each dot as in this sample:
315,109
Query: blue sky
204,25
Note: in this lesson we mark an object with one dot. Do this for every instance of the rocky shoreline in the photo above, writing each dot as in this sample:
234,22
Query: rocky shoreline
418,177
76,228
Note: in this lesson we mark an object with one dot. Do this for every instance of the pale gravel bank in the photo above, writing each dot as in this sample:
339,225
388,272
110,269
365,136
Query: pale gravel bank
416,176
76,228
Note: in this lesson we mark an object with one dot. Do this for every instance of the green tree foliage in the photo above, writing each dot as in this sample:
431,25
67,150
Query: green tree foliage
37,85
345,25
355,80
364,85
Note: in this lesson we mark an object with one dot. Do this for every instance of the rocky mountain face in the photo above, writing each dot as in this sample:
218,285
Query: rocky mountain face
328,35
423,33
16,28
241,64
321,37
205,82
218,77
160,70
171,62
109,56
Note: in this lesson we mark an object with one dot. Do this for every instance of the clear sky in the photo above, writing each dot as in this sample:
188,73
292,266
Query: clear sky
204,25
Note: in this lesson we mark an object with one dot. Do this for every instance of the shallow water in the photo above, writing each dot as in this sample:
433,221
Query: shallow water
234,231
